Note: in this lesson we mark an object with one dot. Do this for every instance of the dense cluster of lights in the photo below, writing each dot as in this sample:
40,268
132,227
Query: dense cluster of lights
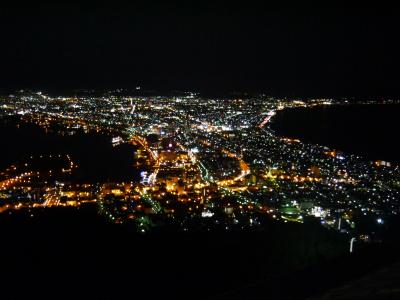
204,157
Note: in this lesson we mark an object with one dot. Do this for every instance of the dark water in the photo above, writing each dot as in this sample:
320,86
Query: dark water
97,159
371,131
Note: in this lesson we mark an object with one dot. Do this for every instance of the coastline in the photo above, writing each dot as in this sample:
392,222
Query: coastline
282,125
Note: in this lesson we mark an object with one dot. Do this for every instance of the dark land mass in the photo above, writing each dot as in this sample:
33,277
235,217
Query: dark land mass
75,253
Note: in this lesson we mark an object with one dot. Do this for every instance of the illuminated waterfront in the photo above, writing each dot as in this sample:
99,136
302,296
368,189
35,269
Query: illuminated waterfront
197,163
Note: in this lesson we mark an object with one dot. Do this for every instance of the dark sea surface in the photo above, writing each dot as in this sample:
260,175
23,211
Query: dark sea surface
371,131
97,159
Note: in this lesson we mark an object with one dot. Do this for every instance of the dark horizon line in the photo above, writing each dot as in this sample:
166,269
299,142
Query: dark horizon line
220,92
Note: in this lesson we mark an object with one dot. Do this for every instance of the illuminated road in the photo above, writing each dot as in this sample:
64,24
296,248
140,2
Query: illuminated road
51,198
143,143
244,167
6,184
270,114
153,155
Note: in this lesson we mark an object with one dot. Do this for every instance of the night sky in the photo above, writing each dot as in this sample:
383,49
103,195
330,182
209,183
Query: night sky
287,50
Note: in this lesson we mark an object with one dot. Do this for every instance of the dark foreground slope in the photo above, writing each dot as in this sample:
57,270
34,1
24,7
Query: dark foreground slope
74,253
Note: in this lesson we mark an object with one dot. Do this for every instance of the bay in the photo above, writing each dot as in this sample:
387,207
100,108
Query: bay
97,159
371,131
